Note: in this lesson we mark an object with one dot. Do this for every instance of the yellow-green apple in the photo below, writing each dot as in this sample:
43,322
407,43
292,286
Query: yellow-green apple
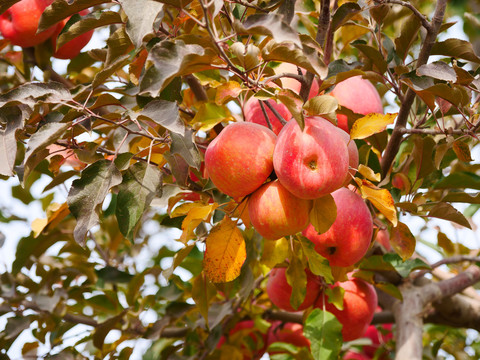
352,156
359,304
379,336
73,47
19,23
275,212
358,95
291,333
279,290
240,158
383,238
348,239
251,342
253,112
313,162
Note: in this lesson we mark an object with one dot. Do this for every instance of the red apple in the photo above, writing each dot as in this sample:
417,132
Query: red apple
359,304
348,239
73,47
358,95
313,162
293,84
383,238
240,158
253,113
252,348
352,156
291,333
275,212
20,22
279,290
350,355
379,339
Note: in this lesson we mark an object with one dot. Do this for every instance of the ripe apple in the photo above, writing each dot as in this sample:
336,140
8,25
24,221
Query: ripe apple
72,48
275,212
350,355
358,95
348,239
253,113
240,158
379,339
252,348
313,162
279,290
20,22
291,333
352,156
293,84
359,304
383,238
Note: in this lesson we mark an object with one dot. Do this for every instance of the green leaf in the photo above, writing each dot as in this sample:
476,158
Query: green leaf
165,113
455,48
209,115
141,183
31,93
459,180
335,296
61,9
77,25
407,37
141,15
323,213
344,13
110,274
323,105
437,70
325,334
185,147
12,117
270,25
293,103
37,145
316,263
172,59
373,54
88,193
446,211
404,268
297,279
109,70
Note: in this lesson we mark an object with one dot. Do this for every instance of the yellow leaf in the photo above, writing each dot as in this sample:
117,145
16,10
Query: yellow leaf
195,216
371,124
368,173
225,252
462,151
323,213
183,209
274,252
380,198
228,91
402,240
55,214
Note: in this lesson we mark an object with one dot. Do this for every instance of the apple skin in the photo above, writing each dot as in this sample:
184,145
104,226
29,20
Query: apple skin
253,113
279,290
383,238
20,22
259,339
275,212
350,355
358,95
348,239
293,84
291,333
353,156
240,158
312,163
359,304
72,48
378,341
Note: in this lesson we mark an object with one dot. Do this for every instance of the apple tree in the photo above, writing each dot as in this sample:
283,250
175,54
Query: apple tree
231,179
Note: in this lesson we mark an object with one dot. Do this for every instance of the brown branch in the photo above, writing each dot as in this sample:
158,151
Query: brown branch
408,5
265,115
450,260
276,113
397,135
446,132
323,26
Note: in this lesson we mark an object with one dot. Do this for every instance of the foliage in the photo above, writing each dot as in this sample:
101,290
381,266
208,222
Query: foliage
127,126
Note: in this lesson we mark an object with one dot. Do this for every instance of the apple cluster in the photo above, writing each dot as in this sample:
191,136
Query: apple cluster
19,24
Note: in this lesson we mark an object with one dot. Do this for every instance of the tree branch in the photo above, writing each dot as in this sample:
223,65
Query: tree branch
397,134
408,5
